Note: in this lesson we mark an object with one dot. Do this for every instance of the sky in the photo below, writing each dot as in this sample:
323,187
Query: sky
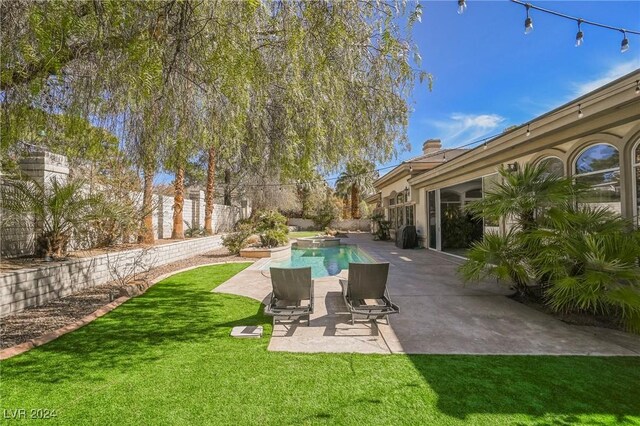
488,75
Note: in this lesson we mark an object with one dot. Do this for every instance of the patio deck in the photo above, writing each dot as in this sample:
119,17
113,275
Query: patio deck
438,315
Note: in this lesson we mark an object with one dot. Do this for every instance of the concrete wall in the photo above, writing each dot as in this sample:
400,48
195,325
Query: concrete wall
32,287
342,224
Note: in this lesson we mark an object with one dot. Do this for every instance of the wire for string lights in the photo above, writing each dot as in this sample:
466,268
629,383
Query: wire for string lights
624,44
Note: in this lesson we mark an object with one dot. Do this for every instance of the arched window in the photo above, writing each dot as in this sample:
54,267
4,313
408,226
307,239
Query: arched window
553,165
598,168
635,161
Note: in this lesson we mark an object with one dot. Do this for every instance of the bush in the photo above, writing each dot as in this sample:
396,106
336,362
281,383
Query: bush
272,227
325,214
273,238
236,241
271,220
382,226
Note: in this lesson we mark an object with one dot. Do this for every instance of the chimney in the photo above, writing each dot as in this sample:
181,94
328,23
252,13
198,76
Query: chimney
431,145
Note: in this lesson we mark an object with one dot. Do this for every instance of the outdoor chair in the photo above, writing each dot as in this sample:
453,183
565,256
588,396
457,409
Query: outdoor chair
292,295
365,292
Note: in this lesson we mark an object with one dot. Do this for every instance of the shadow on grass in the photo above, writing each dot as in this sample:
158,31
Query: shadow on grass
143,330
563,386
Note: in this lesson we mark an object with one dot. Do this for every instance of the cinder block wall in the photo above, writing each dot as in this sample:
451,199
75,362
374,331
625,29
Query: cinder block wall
32,287
43,166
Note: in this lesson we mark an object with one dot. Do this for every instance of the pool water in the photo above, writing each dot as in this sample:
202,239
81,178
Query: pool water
324,261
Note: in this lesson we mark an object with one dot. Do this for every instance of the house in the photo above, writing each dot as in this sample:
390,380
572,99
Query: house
594,138
392,190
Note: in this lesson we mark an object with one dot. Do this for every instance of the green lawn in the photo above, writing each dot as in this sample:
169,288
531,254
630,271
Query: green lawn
166,358
302,234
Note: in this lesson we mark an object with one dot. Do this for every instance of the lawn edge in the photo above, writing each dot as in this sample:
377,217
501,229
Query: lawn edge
48,337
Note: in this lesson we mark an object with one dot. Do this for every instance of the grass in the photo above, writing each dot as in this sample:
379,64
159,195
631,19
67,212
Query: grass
302,234
166,358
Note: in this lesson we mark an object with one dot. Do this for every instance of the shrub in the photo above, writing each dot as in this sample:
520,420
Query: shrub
273,238
271,220
236,241
193,232
272,227
325,214
382,226
62,209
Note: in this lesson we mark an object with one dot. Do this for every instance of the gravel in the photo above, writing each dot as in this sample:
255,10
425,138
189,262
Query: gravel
36,321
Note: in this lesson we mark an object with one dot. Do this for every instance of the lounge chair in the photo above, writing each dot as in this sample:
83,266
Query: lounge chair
365,292
292,288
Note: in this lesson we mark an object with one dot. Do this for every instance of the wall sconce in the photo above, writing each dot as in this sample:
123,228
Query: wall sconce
512,167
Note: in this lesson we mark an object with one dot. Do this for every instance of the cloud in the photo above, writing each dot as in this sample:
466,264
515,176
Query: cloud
614,72
464,128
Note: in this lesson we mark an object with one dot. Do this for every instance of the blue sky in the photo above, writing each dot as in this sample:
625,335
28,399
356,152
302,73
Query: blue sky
489,75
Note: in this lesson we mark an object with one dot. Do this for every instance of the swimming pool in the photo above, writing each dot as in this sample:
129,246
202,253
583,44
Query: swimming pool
324,261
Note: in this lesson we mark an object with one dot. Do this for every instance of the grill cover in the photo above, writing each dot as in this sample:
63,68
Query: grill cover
407,237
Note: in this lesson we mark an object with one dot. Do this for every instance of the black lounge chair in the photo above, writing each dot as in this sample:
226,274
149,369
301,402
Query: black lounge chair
365,292
292,287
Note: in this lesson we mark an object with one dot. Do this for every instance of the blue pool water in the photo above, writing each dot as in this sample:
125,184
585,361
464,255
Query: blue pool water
324,261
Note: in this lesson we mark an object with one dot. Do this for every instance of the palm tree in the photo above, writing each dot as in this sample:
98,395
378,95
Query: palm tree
576,257
524,195
58,209
343,190
358,176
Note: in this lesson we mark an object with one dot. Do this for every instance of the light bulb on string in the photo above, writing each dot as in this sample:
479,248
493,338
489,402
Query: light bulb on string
528,23
528,131
579,35
637,87
580,113
462,6
624,44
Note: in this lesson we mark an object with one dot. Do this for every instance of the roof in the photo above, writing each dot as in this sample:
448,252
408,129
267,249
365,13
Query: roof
611,97
417,165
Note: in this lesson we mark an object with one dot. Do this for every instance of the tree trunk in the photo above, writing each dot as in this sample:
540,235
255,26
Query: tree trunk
345,207
208,196
227,187
146,233
355,202
178,205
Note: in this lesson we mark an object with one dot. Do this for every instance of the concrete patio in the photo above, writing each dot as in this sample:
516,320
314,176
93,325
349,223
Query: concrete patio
438,314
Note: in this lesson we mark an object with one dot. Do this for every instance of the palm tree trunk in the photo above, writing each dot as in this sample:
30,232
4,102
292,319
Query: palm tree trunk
345,207
355,202
178,205
146,233
208,196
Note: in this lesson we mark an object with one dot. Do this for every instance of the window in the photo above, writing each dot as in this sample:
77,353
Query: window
553,165
635,159
598,168
409,215
400,198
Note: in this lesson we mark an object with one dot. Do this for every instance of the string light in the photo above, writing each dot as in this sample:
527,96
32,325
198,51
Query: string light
485,146
462,6
579,35
580,114
528,23
528,131
637,87
624,44
410,169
